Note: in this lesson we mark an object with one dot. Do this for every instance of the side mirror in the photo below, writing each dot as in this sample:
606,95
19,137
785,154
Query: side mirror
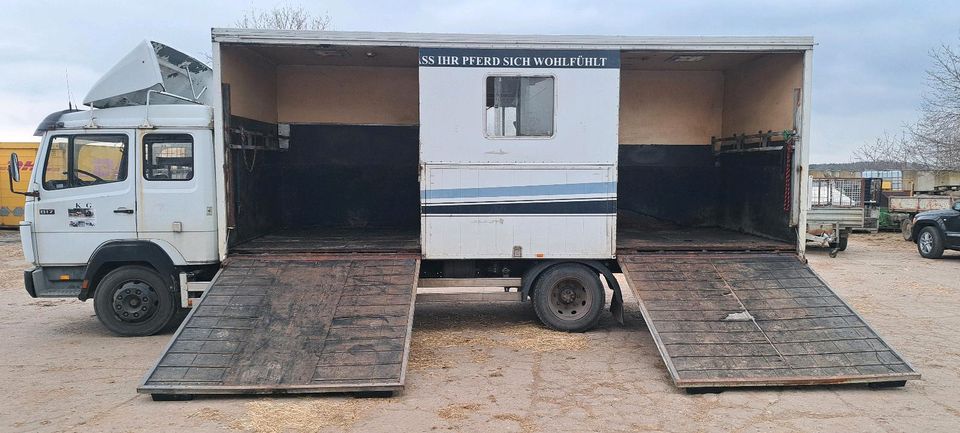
14,168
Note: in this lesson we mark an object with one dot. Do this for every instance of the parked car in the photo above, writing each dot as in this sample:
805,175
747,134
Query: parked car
937,230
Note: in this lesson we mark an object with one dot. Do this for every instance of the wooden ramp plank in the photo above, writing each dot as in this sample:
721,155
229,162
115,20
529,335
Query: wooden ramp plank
273,325
754,319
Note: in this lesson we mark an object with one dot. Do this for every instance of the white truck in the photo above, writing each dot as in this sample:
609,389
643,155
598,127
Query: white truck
310,182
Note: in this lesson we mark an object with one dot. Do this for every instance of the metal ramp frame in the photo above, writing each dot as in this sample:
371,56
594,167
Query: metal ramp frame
285,325
755,319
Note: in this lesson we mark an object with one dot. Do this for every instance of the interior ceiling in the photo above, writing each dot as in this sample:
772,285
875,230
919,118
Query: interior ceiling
407,57
662,60
340,55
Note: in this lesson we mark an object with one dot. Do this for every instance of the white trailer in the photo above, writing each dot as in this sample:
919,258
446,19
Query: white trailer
311,181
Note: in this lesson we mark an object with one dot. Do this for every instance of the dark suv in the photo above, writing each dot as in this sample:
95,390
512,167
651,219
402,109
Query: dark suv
937,230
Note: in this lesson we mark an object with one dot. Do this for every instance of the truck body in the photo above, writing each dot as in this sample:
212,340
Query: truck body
902,210
490,155
920,203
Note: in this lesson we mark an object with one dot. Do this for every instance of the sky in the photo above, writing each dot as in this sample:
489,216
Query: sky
868,68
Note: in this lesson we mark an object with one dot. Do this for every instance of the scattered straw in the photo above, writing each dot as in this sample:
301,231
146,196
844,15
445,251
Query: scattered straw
457,412
311,415
424,353
526,424
426,347
537,339
208,413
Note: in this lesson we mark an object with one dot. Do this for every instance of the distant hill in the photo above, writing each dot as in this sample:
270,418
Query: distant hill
863,165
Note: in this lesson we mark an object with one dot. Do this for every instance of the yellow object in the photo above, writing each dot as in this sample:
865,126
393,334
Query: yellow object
886,185
11,205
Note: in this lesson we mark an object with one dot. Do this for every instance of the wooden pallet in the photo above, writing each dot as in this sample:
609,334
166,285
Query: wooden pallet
755,319
311,324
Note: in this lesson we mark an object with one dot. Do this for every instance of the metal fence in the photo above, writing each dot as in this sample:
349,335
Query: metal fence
836,192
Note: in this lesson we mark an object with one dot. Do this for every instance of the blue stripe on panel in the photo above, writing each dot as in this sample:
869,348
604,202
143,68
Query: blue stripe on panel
557,207
522,190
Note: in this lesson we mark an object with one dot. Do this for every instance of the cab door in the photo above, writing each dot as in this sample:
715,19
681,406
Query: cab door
87,195
177,193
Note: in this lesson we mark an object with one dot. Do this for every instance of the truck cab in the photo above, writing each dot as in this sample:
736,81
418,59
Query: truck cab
121,206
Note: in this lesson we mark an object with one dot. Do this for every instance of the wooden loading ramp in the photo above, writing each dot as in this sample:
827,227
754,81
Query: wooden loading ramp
755,319
282,325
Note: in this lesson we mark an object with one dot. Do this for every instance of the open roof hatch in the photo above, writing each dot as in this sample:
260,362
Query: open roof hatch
152,72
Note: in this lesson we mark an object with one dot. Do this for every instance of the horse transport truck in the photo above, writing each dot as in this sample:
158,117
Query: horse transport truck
296,195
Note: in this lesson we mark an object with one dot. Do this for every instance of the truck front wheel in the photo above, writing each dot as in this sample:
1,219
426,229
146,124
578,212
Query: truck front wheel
569,298
134,301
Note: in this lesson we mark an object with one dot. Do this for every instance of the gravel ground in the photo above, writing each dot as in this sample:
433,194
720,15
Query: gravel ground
492,368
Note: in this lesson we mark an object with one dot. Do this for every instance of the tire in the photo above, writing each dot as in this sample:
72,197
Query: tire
134,301
906,229
842,245
569,298
930,243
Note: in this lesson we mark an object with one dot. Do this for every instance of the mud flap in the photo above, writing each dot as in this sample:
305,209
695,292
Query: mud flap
616,306
616,302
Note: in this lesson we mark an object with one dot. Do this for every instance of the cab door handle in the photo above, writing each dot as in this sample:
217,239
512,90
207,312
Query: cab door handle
122,210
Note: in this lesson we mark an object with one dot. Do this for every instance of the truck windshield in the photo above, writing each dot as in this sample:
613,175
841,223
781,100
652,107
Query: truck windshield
82,160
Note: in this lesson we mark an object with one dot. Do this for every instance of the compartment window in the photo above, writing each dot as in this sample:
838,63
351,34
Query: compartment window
168,157
84,160
519,106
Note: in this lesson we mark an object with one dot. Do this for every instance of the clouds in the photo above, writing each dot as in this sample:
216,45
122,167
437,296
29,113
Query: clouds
868,66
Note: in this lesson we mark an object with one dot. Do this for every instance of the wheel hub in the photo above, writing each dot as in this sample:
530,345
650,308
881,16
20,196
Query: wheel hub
569,299
926,242
135,301
567,295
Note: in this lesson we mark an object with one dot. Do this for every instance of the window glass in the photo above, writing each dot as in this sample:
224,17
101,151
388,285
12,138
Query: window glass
892,179
82,160
55,168
519,106
168,157
99,159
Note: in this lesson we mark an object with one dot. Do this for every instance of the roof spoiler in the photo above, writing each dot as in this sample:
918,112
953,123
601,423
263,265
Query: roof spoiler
152,68
52,121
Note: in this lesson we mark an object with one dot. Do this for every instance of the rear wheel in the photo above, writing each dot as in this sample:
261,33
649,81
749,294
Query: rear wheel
134,301
842,245
930,243
569,298
906,229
